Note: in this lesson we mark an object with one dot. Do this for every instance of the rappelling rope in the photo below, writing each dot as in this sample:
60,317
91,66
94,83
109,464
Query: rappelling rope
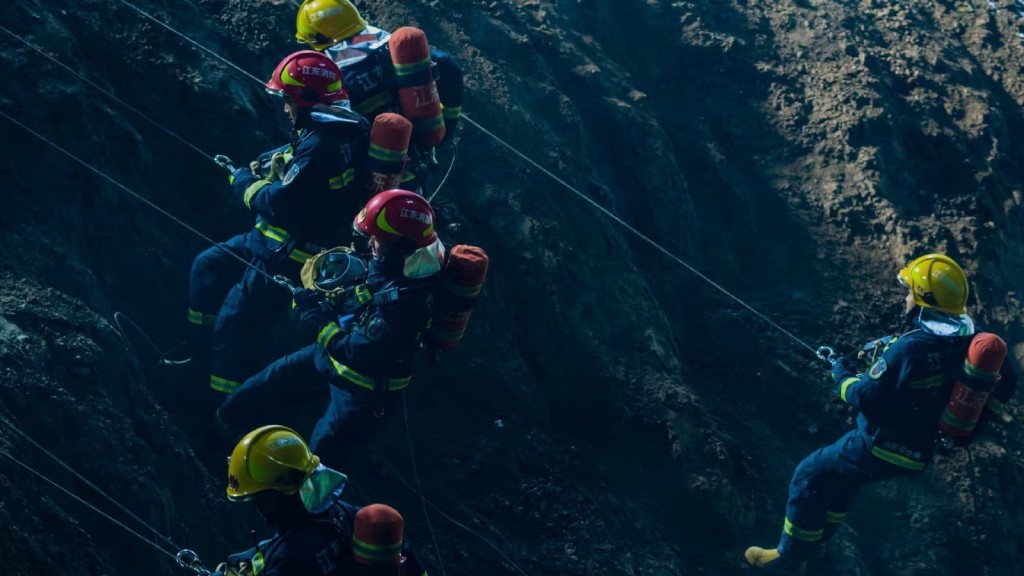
98,172
416,476
189,40
639,234
184,558
443,514
82,501
90,506
110,95
84,480
455,151
529,160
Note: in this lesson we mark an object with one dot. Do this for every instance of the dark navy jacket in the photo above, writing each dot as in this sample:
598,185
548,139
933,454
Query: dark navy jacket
902,395
323,187
380,341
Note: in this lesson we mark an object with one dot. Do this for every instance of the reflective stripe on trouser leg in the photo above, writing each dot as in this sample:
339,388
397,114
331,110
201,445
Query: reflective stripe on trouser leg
833,520
827,480
286,387
248,312
214,272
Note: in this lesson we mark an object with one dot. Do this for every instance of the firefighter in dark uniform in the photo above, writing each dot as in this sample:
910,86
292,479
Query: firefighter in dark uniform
362,53
296,201
314,529
899,401
365,346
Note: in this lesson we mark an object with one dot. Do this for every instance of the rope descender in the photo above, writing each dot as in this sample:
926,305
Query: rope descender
827,354
188,559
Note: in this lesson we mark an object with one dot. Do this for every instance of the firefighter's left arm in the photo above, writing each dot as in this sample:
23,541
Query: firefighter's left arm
276,201
869,392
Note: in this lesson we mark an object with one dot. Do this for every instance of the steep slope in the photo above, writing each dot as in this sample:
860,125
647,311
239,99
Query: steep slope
796,152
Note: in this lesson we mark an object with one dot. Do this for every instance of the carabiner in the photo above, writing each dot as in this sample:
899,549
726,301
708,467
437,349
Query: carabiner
188,559
284,281
224,162
827,354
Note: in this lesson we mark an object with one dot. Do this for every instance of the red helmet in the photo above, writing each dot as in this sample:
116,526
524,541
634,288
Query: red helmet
398,217
309,78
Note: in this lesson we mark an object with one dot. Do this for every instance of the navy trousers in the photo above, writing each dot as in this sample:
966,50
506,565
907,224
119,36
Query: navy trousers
275,394
245,308
823,486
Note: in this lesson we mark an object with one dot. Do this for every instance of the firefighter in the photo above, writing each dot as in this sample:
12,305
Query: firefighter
316,533
364,354
362,52
899,401
296,200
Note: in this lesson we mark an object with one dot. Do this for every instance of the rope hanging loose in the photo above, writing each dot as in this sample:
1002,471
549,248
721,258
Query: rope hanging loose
416,475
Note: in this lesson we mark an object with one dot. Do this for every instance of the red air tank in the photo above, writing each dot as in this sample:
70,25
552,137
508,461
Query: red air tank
971,389
417,91
461,282
389,144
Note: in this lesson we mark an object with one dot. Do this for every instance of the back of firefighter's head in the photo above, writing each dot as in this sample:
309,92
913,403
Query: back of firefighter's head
936,281
377,541
324,23
397,222
268,462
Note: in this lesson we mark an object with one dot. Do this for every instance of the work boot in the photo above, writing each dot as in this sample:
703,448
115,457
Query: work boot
770,561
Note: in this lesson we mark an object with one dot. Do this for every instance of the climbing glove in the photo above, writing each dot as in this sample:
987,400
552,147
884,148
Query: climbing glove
842,368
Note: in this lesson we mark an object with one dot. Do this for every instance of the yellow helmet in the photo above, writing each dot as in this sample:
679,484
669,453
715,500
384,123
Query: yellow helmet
324,23
936,281
269,458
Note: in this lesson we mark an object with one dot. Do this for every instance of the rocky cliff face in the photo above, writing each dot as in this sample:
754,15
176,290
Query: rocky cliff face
796,152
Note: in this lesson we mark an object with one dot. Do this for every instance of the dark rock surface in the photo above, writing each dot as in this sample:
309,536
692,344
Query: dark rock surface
797,152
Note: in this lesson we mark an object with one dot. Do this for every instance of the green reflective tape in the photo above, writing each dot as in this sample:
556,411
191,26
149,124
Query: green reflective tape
975,372
801,533
929,382
328,332
897,459
835,517
386,154
375,552
223,384
343,179
995,405
252,190
201,318
845,385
